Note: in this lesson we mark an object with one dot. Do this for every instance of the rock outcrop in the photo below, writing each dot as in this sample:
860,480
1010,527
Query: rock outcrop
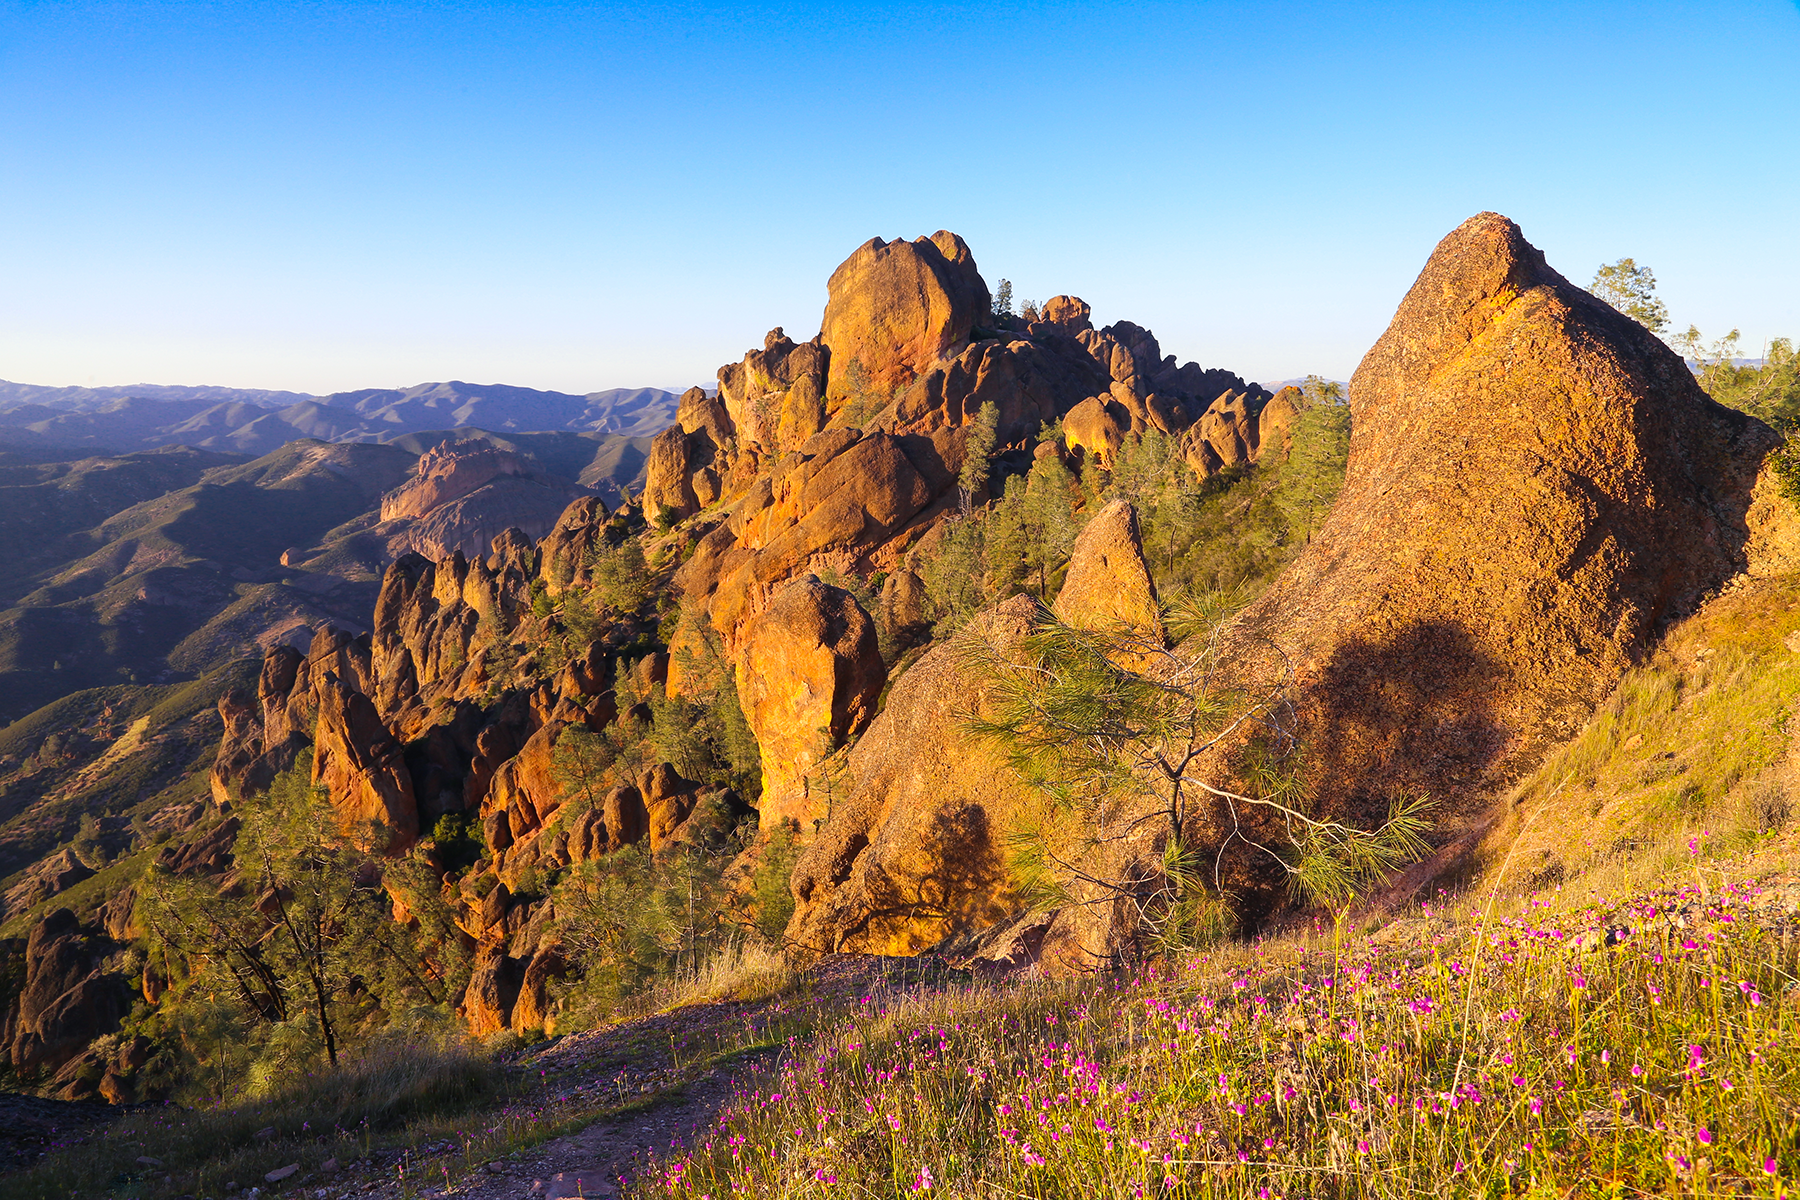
807,679
473,699
896,308
464,494
825,467
916,850
1108,585
66,999
1536,486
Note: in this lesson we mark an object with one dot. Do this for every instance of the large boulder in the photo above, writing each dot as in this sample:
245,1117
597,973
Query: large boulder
915,850
1536,486
1108,585
896,308
919,850
67,999
808,676
493,989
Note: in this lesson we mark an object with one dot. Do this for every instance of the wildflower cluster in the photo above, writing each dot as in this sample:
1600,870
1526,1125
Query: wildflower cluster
1651,1045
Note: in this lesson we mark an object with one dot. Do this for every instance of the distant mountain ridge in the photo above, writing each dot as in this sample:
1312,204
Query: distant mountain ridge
245,421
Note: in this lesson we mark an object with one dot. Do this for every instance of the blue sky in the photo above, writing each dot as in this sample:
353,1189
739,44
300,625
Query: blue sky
323,196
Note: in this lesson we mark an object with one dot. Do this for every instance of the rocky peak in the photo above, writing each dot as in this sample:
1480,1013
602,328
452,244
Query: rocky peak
1068,313
1536,485
896,308
449,472
465,493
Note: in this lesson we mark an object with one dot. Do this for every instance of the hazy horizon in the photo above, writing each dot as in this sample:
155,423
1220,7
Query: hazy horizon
320,198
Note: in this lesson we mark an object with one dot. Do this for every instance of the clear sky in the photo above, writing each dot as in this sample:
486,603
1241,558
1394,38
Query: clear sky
323,196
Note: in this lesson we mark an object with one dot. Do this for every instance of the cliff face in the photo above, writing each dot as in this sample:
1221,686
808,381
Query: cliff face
465,494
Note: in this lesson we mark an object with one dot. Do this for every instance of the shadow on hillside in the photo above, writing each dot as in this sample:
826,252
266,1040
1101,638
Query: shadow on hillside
1414,711
963,883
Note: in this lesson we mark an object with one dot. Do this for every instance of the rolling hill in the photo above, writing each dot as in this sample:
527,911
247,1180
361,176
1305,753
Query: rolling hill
123,420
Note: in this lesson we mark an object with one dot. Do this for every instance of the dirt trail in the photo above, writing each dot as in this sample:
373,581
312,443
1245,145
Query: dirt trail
673,1072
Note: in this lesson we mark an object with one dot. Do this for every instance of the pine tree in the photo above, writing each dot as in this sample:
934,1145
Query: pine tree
1632,290
1104,722
978,447
302,929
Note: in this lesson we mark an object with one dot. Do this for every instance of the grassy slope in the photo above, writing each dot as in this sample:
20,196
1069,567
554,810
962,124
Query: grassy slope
1694,744
43,504
44,794
1485,1046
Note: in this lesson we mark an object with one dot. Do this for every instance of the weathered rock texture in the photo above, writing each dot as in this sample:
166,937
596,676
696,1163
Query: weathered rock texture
436,713
898,307
1536,485
915,851
1108,585
807,680
918,851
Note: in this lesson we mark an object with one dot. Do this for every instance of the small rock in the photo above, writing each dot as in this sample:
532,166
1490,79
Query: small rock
263,1135
144,1160
281,1173
575,1185
495,1168
231,1188
329,1166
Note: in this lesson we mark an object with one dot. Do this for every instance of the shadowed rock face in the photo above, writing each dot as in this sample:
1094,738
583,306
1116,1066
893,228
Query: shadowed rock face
918,852
1536,485
66,999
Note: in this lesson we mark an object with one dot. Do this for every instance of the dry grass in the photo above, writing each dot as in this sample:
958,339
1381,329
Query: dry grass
395,1092
741,970
1692,746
